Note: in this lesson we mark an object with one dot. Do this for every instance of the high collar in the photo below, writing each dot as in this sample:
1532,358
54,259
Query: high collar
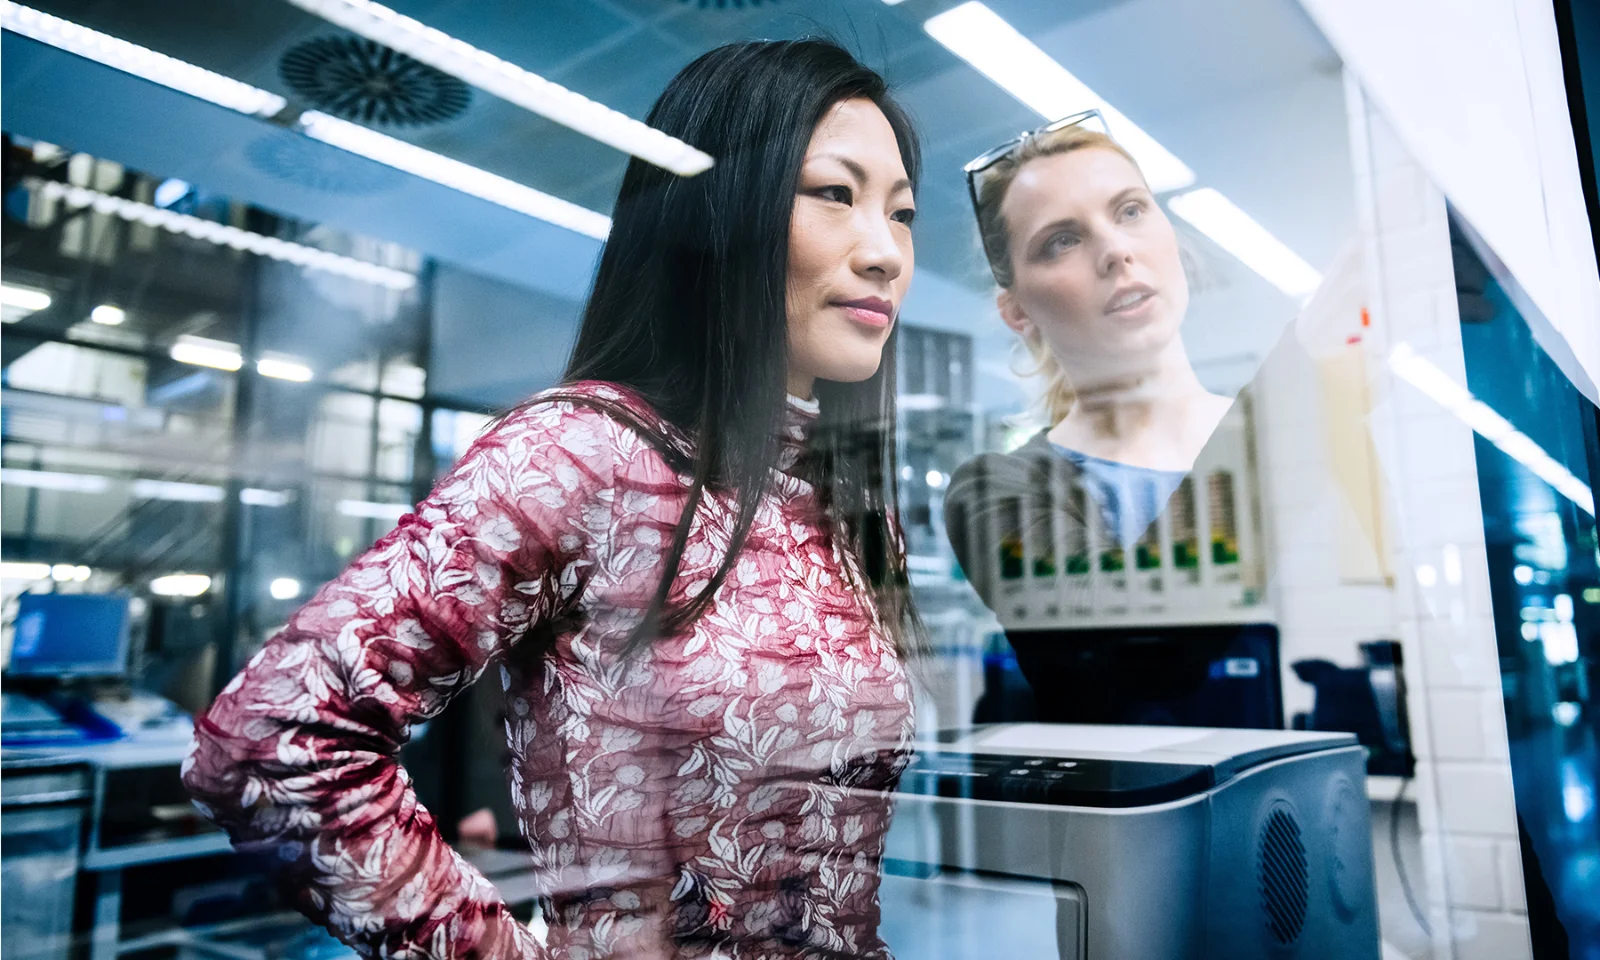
799,416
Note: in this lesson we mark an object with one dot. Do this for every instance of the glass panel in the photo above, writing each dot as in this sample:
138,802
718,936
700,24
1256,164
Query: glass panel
1245,605
1537,466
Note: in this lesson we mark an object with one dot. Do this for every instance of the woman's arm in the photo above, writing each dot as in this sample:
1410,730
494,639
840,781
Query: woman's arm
298,755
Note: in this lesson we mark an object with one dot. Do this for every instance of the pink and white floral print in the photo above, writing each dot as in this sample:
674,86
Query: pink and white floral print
725,793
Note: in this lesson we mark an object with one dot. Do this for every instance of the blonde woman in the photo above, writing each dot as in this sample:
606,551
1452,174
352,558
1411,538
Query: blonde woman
1092,281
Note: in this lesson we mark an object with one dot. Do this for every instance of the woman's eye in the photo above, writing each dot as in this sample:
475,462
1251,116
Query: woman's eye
1133,210
1059,243
835,194
904,216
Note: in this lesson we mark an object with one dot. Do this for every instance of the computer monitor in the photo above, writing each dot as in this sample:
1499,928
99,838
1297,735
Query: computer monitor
70,635
1198,675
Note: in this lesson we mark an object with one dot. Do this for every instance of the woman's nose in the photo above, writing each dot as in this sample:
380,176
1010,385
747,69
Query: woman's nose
1115,252
876,250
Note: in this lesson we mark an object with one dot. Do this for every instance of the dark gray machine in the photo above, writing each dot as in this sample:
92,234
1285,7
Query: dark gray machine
1157,842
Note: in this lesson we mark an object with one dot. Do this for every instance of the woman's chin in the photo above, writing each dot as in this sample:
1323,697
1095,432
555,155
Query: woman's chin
850,369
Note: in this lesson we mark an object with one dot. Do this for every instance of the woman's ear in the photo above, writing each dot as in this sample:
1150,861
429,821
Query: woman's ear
1014,316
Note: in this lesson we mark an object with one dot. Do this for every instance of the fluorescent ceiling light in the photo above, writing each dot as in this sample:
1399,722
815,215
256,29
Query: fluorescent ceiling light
69,573
1439,387
223,235
256,497
201,352
174,490
52,480
510,82
920,401
454,174
230,93
24,571
377,511
1234,231
283,369
997,50
23,298
180,585
284,588
139,61
108,315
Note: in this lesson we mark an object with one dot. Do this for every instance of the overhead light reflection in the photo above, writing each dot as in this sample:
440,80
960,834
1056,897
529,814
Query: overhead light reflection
223,235
217,354
510,82
227,92
283,369
1439,387
1000,52
23,298
180,585
375,511
54,480
139,61
1236,232
108,315
441,169
176,490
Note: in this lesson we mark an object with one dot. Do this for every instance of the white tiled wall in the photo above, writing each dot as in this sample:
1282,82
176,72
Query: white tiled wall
1466,808
1472,881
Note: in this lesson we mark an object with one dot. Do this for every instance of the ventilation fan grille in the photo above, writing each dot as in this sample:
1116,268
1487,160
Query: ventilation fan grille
1282,876
357,79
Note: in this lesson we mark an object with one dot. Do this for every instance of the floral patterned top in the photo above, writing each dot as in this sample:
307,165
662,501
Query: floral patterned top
724,794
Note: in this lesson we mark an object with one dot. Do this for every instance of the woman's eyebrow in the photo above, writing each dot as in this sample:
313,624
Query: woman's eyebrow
1124,194
1054,225
860,172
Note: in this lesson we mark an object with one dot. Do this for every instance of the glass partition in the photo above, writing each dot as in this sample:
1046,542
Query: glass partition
1175,541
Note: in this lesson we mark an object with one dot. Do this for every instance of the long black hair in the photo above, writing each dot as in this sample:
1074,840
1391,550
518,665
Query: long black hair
689,311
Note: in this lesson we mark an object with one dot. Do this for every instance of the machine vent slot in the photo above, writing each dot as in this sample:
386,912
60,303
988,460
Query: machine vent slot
1281,872
357,79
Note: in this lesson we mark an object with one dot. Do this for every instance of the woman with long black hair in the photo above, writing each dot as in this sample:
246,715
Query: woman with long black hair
682,563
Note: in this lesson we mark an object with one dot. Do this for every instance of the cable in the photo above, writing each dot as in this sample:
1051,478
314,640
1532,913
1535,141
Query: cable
1399,864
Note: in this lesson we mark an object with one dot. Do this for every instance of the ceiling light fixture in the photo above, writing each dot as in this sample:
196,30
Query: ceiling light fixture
55,480
1445,391
511,83
217,354
139,61
223,235
108,315
280,368
224,91
257,497
284,588
70,573
997,50
464,177
1234,231
180,585
177,490
23,298
375,511
22,570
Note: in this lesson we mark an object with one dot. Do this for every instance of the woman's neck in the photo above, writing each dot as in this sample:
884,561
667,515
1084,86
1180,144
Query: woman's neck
1159,417
801,385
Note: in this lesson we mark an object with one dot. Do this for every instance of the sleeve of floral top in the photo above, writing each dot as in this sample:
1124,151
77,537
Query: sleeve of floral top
298,755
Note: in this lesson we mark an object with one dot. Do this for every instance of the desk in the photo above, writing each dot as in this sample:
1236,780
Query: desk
176,832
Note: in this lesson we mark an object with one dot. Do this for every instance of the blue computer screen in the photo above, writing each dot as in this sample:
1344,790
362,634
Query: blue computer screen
70,634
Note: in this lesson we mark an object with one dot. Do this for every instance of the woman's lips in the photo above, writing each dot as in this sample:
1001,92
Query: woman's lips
1131,301
868,311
